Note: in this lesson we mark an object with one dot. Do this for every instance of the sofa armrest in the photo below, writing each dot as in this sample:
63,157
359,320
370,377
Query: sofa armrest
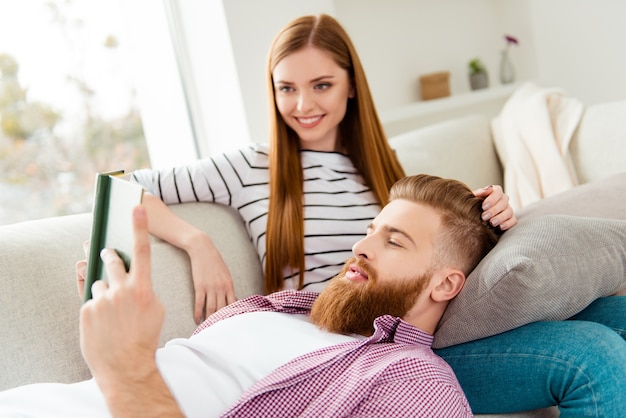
39,301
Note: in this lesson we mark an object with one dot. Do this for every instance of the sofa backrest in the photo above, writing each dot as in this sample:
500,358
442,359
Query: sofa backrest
598,147
463,148
460,148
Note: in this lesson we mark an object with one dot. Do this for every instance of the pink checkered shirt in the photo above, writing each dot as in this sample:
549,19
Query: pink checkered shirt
392,373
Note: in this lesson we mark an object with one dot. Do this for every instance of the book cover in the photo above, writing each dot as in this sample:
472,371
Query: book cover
111,227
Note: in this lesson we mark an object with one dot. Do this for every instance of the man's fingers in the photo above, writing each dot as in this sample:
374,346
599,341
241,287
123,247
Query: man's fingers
140,263
114,265
98,288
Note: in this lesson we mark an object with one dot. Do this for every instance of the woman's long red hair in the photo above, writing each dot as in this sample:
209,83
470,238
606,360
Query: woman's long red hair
360,133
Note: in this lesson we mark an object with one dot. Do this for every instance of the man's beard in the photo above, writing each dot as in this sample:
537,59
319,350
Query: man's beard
347,307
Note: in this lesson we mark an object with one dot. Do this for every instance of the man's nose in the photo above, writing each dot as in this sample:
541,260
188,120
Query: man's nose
361,249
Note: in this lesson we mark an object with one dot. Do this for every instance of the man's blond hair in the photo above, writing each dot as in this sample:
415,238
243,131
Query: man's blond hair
464,238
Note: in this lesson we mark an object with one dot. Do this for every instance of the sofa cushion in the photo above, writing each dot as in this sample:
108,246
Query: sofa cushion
40,300
549,267
597,147
460,148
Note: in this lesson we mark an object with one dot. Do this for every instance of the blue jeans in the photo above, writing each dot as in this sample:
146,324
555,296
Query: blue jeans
579,365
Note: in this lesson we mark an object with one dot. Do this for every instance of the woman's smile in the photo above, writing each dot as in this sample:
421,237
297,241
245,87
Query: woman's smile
310,121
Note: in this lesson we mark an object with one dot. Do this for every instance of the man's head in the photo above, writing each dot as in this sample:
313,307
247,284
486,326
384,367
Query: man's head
412,262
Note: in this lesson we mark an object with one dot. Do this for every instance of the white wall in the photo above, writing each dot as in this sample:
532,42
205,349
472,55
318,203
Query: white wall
399,40
578,45
574,44
581,47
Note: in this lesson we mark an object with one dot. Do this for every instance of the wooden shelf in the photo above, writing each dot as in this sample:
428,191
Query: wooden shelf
487,102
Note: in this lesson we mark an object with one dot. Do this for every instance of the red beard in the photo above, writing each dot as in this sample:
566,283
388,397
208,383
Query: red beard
347,307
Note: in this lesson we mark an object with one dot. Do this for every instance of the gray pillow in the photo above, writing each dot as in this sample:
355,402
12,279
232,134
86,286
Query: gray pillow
548,267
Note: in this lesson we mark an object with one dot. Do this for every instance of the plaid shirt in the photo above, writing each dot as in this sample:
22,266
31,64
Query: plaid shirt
392,373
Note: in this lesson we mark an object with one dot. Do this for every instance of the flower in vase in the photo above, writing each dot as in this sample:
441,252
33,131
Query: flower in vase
507,73
510,40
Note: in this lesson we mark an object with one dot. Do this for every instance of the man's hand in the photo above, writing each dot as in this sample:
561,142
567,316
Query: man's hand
496,208
120,329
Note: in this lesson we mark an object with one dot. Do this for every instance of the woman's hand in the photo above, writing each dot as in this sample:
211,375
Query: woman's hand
213,285
212,282
81,271
496,208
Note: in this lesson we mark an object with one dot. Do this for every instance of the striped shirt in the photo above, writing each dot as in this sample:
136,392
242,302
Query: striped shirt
338,205
392,373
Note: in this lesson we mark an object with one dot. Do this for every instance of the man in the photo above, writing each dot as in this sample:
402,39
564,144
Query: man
361,347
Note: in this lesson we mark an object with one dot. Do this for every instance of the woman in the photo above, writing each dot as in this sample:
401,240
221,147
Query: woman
319,182
326,145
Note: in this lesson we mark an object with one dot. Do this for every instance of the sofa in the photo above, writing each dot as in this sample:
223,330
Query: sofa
39,300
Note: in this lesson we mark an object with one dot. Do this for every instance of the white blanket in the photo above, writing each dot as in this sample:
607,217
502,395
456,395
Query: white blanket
532,134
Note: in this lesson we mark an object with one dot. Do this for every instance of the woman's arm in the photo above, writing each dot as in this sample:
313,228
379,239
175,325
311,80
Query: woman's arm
219,179
213,285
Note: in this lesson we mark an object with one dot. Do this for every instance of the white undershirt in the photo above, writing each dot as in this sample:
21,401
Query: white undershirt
207,373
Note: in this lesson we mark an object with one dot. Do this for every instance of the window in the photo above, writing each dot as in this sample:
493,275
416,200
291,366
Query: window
68,106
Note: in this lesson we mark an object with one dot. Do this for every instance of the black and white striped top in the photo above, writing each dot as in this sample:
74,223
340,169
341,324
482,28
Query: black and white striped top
338,205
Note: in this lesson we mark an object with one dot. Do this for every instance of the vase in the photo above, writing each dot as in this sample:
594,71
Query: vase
507,72
479,80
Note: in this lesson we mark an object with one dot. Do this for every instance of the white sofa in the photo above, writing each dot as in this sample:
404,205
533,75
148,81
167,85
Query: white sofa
39,301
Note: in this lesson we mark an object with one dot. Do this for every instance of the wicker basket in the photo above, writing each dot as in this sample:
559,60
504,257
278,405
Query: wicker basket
435,85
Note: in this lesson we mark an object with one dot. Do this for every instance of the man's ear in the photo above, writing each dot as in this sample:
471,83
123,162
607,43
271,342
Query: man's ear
449,286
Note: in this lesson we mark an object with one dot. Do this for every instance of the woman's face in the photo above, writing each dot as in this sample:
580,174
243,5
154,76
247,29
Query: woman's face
312,93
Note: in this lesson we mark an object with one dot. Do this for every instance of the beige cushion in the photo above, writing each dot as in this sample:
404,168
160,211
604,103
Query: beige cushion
460,148
597,147
40,301
549,267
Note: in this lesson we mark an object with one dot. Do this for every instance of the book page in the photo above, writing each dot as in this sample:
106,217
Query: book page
123,197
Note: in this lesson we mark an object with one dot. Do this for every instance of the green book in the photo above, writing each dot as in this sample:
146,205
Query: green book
111,226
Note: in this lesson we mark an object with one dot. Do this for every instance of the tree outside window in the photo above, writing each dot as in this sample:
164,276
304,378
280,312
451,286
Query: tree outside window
51,145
